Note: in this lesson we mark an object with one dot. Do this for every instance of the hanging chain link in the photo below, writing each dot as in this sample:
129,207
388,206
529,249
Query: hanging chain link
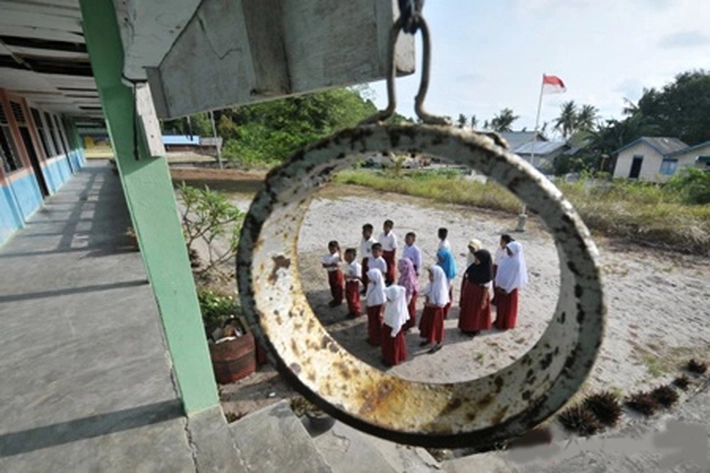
410,21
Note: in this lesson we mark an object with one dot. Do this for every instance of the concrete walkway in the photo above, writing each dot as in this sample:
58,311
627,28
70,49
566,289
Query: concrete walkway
85,381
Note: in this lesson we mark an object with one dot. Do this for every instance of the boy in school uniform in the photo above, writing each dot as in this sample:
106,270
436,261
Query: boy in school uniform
366,251
377,261
331,262
412,252
443,239
353,275
388,240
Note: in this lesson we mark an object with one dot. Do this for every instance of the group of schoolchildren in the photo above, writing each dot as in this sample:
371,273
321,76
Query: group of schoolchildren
391,308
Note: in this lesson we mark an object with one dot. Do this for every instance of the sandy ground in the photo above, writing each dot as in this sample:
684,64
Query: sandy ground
658,303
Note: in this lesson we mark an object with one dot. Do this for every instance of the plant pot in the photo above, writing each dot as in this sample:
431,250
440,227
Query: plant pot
319,422
260,354
234,359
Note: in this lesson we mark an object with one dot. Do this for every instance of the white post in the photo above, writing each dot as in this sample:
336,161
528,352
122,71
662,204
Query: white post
523,217
216,141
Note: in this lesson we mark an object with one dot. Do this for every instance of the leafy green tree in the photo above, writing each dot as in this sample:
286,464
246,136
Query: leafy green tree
567,121
474,122
586,118
504,120
462,120
682,108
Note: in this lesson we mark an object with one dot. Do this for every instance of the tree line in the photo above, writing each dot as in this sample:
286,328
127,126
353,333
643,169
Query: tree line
268,132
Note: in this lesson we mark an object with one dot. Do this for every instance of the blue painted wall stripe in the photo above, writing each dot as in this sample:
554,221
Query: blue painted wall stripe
20,198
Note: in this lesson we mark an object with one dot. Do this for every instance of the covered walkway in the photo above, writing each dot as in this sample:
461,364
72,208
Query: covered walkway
86,379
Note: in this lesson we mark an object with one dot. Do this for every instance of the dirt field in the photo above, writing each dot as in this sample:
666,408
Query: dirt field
658,303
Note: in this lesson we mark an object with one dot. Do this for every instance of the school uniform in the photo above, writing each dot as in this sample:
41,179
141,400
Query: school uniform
353,271
431,324
366,254
378,263
394,348
413,254
389,249
511,276
444,244
375,299
336,280
475,302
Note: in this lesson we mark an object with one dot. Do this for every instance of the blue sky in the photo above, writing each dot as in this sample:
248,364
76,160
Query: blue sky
491,54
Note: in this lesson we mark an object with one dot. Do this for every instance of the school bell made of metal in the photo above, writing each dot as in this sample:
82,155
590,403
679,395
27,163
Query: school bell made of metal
476,413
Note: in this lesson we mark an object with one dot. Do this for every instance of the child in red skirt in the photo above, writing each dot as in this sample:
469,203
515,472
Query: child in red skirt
353,273
375,299
431,325
331,262
394,348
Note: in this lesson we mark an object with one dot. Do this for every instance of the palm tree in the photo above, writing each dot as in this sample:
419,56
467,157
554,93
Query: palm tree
586,118
462,120
503,121
566,123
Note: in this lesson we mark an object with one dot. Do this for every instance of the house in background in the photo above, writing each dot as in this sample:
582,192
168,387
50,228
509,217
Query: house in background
541,154
695,156
537,150
655,159
652,159
191,143
516,139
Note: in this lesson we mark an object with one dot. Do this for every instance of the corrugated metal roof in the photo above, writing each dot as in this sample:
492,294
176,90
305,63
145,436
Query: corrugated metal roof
665,145
541,148
185,140
517,138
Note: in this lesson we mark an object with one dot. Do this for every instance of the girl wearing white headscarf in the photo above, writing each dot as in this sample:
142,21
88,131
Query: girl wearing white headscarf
431,325
512,274
394,349
375,299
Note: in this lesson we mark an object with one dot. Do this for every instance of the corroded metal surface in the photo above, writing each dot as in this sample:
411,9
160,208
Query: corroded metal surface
473,413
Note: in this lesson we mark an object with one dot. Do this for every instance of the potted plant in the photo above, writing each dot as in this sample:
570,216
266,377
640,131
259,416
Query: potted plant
231,343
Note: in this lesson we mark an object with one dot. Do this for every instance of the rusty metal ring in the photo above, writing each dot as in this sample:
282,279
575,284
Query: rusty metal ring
479,412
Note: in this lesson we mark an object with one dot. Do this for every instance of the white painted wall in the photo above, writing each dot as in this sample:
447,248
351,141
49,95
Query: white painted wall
650,169
688,159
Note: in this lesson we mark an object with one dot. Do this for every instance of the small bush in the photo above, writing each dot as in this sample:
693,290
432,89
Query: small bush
693,185
216,307
643,402
641,212
697,367
605,406
665,395
682,382
579,419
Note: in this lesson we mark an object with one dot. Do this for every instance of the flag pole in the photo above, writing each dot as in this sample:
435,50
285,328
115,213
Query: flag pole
523,217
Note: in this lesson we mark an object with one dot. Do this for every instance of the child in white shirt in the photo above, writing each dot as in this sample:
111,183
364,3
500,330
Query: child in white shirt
353,276
331,262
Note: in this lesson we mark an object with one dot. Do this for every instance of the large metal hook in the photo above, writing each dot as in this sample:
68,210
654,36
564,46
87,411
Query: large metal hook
423,115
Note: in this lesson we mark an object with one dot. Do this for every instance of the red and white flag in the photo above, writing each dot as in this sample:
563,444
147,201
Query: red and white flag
552,85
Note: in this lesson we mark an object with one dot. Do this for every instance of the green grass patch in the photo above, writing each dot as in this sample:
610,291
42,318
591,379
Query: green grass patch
642,213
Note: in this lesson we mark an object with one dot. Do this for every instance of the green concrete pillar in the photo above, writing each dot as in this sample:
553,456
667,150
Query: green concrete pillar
151,202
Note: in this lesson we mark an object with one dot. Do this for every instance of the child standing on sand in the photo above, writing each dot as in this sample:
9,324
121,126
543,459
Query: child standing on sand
375,299
376,261
388,240
331,262
366,251
353,274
